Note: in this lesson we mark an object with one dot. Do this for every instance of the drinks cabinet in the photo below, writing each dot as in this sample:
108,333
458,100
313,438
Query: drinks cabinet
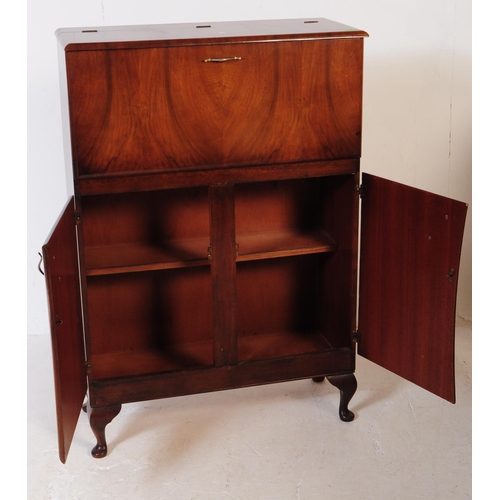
211,238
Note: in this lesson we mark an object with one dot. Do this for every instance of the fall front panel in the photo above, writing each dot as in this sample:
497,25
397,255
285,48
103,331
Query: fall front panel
166,109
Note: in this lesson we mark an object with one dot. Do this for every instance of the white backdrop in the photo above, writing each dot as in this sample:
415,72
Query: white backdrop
417,98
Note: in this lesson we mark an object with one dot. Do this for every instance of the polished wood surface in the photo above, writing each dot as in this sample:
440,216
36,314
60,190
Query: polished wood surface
244,374
347,385
216,174
63,291
161,35
223,269
165,109
411,240
99,418
152,181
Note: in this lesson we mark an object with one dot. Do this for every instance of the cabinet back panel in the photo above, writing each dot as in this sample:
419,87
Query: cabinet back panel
166,109
276,296
275,206
155,310
145,218
299,205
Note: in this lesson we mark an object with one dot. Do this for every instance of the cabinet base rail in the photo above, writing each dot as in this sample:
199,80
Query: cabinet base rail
101,416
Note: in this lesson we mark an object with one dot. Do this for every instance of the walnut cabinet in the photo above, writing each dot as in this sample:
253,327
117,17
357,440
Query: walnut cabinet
211,239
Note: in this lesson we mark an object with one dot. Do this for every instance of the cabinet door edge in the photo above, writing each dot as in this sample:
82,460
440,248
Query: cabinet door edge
62,279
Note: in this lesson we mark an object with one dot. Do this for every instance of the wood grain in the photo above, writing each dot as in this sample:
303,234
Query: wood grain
410,241
63,291
164,109
223,271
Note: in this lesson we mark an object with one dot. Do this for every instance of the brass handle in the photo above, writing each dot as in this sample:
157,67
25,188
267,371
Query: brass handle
40,263
222,59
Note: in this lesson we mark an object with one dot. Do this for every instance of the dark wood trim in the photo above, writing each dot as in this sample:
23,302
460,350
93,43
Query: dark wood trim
123,390
149,181
223,268
347,385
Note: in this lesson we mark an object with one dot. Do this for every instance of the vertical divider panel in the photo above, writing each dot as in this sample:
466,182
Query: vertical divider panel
223,268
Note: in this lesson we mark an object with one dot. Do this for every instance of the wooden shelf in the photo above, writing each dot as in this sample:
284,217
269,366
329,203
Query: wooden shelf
135,258
201,354
280,345
143,362
285,243
194,252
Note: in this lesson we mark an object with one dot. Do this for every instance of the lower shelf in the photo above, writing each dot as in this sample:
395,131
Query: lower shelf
280,345
200,354
144,362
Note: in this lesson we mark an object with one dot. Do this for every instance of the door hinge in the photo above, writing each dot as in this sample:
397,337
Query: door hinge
360,191
88,368
356,336
78,218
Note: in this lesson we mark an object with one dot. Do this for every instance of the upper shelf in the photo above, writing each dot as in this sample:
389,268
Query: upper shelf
135,258
287,243
120,259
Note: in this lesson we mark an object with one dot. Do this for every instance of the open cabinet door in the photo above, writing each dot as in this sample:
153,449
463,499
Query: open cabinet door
60,258
410,253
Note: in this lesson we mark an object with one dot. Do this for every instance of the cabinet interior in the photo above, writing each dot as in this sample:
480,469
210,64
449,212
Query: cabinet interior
145,231
149,277
295,246
149,322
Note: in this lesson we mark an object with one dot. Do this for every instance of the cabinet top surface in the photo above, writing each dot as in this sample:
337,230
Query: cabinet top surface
194,33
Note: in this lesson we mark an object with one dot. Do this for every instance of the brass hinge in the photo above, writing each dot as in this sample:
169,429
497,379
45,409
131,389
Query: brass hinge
88,368
78,218
209,250
360,191
356,336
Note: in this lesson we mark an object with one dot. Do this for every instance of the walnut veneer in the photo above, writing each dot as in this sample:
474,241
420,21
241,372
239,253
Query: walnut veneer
211,241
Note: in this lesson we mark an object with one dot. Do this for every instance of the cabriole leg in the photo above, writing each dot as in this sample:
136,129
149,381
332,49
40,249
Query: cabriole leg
347,386
99,418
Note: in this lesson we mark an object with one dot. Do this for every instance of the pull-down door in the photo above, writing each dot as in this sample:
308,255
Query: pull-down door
410,253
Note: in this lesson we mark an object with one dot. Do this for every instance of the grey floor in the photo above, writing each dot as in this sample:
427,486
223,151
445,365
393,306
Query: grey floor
279,442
